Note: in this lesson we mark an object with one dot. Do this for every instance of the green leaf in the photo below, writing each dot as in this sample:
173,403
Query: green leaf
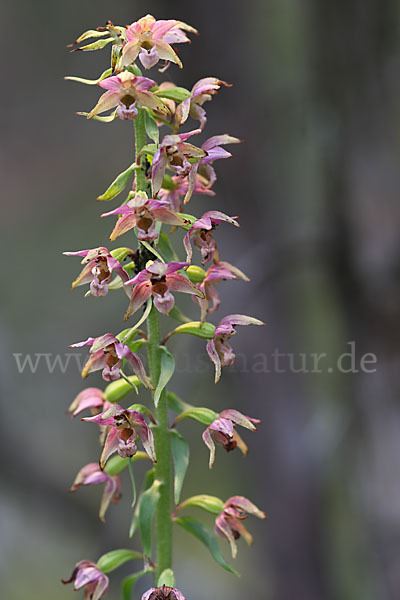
106,119
105,74
116,558
176,404
134,69
211,504
119,389
147,507
147,483
118,184
164,245
166,372
99,45
180,456
121,253
116,464
197,529
167,578
203,415
151,127
152,250
178,94
129,582
202,330
149,149
177,314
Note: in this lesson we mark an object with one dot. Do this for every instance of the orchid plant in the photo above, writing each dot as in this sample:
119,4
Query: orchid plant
166,172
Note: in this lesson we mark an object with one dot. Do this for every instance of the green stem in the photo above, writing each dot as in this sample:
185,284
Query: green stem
163,471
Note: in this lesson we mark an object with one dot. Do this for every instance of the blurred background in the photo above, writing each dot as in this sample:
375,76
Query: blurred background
316,98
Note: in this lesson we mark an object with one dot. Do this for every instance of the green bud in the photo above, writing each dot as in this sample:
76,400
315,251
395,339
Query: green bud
119,389
121,253
196,274
211,504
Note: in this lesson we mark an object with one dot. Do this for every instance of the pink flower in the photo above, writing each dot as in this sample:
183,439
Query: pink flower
92,474
159,280
218,271
174,195
92,398
142,213
125,426
87,575
108,353
218,348
203,239
163,593
151,40
222,431
202,91
124,90
229,523
98,270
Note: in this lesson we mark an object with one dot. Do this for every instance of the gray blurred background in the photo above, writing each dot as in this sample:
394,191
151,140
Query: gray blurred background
316,97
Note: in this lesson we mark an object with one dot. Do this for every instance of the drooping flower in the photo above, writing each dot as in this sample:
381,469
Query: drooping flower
91,474
125,426
108,353
87,575
202,91
201,231
92,398
218,349
142,213
159,280
163,593
151,40
222,431
98,270
125,90
175,194
218,271
229,523
175,152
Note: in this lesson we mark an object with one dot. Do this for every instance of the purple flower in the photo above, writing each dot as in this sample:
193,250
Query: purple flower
125,426
218,271
92,474
218,348
175,152
142,213
108,353
163,593
159,280
98,270
151,40
125,90
87,575
202,91
222,431
201,231
229,524
179,189
92,398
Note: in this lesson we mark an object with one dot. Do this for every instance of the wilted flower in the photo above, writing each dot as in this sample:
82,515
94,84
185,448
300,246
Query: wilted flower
92,474
223,432
87,575
201,231
218,348
125,426
151,40
92,398
179,187
202,91
159,280
218,271
142,213
229,523
124,90
108,353
163,593
98,270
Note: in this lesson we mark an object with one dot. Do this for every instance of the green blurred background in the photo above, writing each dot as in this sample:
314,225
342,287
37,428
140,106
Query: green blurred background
316,98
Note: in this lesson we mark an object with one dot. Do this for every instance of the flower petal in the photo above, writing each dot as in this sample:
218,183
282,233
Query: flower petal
107,101
141,293
179,283
213,354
